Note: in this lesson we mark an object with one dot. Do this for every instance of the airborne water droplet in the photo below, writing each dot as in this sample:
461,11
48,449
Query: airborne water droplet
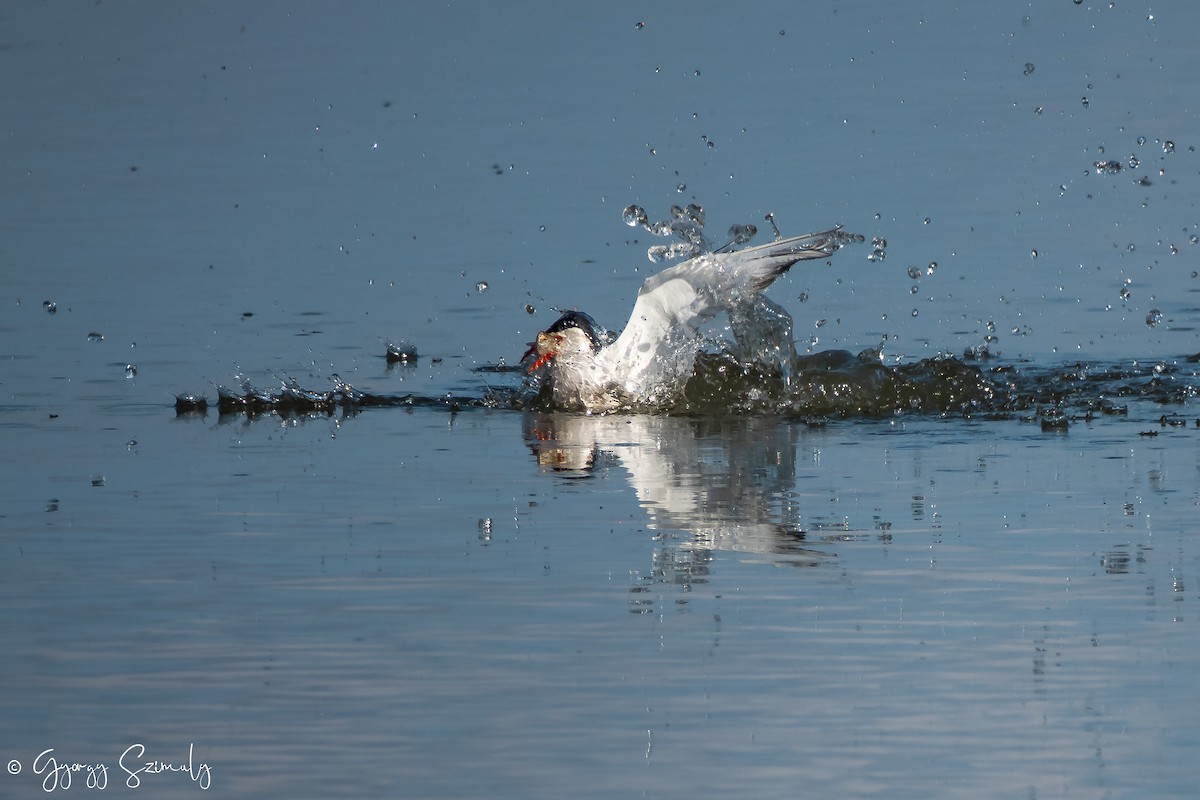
50,306
481,287
1029,68
658,253
95,336
130,371
741,234
1154,318
634,215
914,273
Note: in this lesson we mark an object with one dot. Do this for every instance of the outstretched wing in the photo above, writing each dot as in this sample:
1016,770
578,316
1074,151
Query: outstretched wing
658,343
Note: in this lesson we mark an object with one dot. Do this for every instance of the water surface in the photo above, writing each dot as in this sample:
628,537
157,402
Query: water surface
418,602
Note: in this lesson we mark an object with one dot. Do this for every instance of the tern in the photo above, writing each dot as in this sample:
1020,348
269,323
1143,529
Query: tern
647,365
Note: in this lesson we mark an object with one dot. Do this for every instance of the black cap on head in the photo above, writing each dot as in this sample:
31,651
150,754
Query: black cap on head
578,319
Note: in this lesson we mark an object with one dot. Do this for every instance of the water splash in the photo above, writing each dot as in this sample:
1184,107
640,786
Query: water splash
685,223
400,353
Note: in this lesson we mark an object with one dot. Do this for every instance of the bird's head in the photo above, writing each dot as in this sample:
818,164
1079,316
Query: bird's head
572,334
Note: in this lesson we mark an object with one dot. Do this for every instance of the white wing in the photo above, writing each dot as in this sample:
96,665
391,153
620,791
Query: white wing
658,347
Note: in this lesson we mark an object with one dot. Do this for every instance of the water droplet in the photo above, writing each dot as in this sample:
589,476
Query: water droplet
1125,293
1039,110
804,295
926,221
914,273
770,217
821,323
1033,254
1029,68
741,234
878,249
481,287
1085,101
640,25
659,253
1154,318
695,213
401,353
932,268
1134,162
914,312
634,216
95,336
782,32
681,188
50,306
1107,167
914,289
1141,140
529,309
697,73
1194,239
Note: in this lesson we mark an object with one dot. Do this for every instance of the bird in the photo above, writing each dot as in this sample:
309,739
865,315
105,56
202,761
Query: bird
585,368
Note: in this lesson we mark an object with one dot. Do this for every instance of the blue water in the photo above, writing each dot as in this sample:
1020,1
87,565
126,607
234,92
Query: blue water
416,603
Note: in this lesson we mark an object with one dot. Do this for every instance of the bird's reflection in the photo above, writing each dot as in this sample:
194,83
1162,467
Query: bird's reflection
706,484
